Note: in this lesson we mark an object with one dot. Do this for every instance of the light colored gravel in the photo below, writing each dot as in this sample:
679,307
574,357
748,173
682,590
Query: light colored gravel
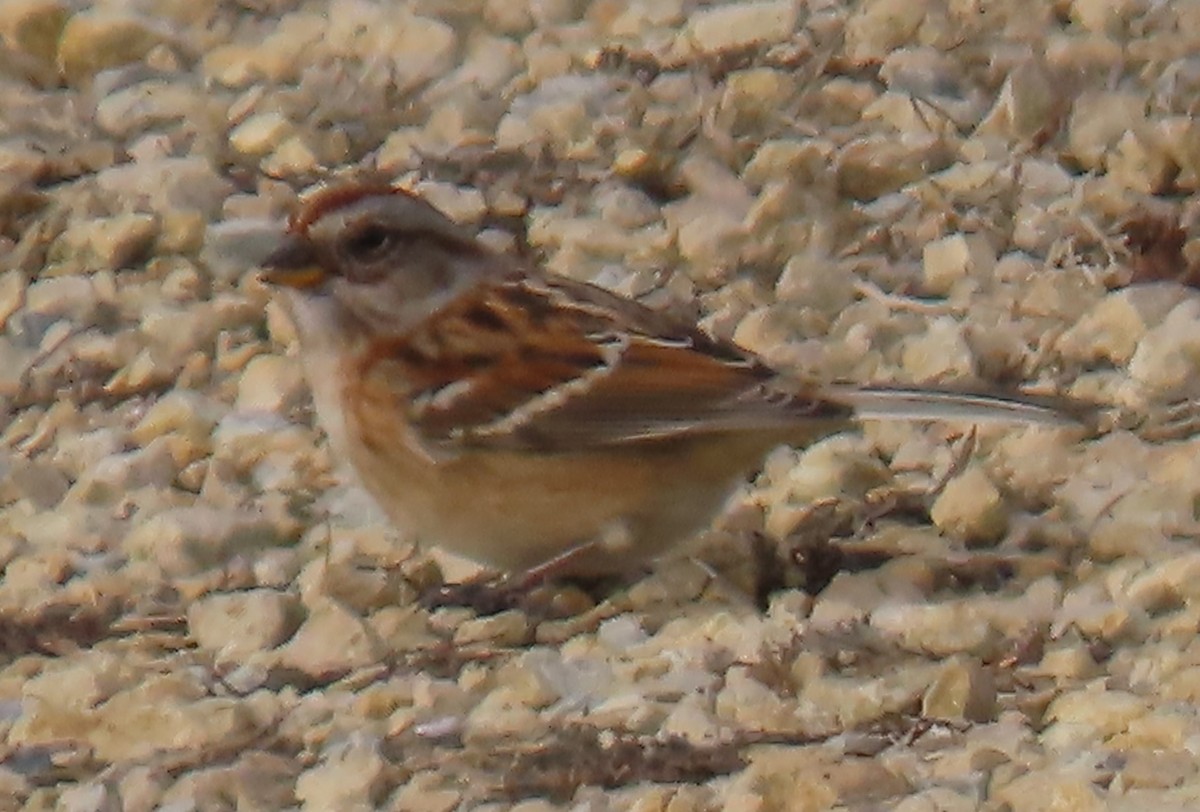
199,610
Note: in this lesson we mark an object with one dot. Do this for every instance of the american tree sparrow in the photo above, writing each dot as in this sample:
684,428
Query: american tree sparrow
525,420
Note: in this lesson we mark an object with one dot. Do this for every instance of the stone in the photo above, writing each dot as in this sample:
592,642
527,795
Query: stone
1111,330
941,353
160,712
260,134
351,775
330,643
1179,137
836,466
509,628
560,112
420,48
108,479
72,297
971,508
877,29
850,598
271,383
169,185
141,787
1052,789
746,703
777,776
148,104
245,439
294,156
965,689
461,204
951,259
1101,712
1067,664
1102,16
752,96
234,625
939,629
95,40
939,799
34,27
507,17
107,243
1156,770
180,412
549,13
136,724
1027,106
692,719
1099,119
180,232
739,25
82,684
12,295
254,780
33,479
1141,162
427,790
189,540
711,243
870,167
89,797
1164,365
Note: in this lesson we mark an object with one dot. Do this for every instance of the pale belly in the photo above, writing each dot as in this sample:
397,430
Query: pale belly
513,511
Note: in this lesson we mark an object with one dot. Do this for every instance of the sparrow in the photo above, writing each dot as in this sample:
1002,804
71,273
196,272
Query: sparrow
532,422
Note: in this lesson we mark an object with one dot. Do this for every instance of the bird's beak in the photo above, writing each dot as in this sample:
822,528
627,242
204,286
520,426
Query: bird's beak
293,264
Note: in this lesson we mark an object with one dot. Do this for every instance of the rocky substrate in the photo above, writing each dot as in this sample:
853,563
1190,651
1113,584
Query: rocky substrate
199,610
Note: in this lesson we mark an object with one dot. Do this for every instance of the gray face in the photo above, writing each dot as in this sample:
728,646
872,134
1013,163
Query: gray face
379,264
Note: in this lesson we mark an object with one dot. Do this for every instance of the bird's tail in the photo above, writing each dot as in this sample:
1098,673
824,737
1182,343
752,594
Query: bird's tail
899,403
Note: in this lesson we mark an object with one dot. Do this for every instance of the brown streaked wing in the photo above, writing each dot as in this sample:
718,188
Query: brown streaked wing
554,365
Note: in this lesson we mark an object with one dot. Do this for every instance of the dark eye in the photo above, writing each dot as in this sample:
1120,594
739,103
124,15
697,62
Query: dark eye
369,243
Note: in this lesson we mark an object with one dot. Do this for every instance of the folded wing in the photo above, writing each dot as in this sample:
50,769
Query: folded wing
558,366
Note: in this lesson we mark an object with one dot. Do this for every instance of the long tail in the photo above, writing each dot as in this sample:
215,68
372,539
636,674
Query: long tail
898,403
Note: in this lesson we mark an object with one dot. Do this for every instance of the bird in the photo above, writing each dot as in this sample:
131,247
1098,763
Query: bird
534,423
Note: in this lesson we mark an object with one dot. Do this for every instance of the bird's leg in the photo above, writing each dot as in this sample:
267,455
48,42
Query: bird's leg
492,593
612,542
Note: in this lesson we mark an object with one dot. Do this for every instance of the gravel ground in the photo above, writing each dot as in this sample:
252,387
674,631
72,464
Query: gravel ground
200,611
